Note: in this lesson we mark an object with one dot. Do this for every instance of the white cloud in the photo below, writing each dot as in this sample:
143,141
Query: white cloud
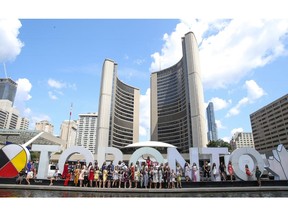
219,103
52,96
235,130
22,94
228,49
254,92
226,139
144,129
24,87
219,124
56,84
10,45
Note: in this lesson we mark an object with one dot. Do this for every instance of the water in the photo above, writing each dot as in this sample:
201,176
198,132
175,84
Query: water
86,194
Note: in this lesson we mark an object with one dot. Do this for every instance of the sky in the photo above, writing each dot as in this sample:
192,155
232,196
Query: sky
57,64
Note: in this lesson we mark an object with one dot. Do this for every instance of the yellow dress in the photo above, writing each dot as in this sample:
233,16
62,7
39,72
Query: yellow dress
105,174
96,175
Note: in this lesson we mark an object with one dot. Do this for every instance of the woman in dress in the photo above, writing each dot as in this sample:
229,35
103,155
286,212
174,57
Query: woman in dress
65,170
230,170
222,169
96,176
76,176
194,172
187,171
91,174
214,171
247,171
81,176
178,175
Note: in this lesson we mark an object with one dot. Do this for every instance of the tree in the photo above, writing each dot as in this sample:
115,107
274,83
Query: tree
219,143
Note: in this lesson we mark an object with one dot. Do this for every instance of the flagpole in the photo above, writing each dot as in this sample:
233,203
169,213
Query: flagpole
69,125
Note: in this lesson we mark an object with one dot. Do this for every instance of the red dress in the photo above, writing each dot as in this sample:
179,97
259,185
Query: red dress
65,171
67,179
91,175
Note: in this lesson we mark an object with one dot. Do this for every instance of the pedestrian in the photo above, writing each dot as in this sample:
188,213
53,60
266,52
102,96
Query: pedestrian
258,175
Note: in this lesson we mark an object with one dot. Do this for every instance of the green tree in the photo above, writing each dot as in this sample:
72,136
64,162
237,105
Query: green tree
219,143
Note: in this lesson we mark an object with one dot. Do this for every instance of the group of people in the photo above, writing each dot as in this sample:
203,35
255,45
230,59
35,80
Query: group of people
144,175
213,172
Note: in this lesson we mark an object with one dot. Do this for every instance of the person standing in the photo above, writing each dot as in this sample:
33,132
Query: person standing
65,170
230,170
214,171
258,175
247,171
187,171
222,169
194,172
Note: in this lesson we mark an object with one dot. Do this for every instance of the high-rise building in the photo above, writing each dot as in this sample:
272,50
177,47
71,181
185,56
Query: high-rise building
68,132
118,122
270,126
87,131
23,123
9,116
45,126
212,127
242,140
8,89
177,101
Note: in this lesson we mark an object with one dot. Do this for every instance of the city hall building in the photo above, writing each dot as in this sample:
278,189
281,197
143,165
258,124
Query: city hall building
177,101
118,112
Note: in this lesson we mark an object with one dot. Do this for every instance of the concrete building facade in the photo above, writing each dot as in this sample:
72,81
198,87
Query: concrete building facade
87,131
9,116
118,123
270,125
211,123
68,132
45,126
242,140
177,101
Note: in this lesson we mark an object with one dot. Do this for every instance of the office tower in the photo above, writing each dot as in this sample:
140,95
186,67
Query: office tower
45,126
87,131
177,101
118,123
9,116
23,123
212,127
8,89
270,125
242,140
68,132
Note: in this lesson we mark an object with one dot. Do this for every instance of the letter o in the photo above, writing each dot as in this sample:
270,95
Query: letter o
72,150
256,157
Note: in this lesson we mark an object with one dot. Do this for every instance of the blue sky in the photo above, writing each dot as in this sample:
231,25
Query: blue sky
57,62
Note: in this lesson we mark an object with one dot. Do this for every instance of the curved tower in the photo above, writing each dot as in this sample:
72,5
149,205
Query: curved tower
177,101
118,113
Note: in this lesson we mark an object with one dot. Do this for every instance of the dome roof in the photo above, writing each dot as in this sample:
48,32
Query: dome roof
150,144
